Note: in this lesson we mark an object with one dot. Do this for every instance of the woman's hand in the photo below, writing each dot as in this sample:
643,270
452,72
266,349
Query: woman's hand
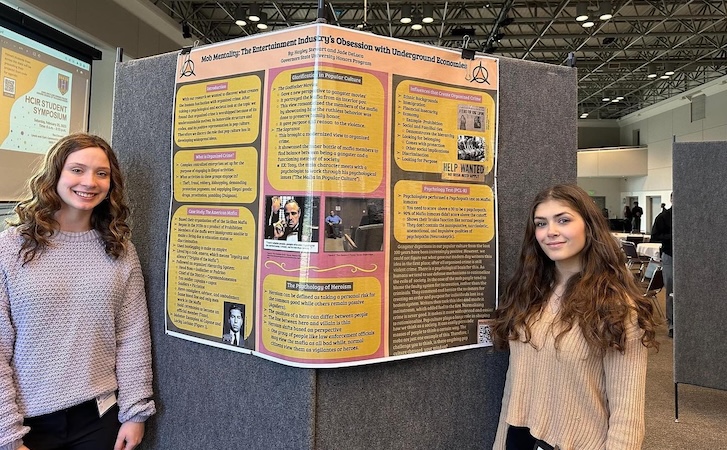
130,435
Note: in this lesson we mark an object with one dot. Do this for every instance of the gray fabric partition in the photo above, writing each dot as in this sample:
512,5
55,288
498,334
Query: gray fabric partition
215,399
700,284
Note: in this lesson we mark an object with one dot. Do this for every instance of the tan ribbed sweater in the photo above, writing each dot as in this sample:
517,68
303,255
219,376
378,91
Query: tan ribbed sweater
576,398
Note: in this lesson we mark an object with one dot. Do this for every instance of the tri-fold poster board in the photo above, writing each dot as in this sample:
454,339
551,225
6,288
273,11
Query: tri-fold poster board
276,135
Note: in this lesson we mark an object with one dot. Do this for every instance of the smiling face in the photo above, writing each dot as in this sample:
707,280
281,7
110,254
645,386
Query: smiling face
84,183
561,233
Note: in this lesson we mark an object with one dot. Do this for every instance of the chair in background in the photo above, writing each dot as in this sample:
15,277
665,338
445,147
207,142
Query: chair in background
616,224
369,238
636,240
634,261
654,286
366,238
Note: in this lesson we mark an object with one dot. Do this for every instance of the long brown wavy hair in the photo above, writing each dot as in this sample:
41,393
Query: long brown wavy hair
35,215
599,299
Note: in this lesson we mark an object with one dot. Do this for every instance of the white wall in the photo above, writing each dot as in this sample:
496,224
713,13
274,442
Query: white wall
605,187
671,120
613,163
660,125
660,128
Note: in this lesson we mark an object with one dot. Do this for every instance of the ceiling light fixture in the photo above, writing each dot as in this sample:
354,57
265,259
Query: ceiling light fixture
588,24
240,17
254,15
582,12
416,22
650,71
605,10
263,22
405,14
428,16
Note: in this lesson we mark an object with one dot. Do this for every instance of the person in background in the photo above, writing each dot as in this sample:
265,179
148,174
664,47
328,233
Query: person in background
74,328
637,212
661,232
663,207
335,223
578,331
374,213
628,218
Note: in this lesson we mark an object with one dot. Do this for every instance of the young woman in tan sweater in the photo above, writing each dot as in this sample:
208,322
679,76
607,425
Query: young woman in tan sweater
578,332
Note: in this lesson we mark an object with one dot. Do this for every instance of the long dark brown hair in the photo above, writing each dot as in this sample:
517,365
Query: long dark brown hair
599,299
35,215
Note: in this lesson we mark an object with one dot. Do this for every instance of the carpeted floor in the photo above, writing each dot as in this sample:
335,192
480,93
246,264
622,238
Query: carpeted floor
702,411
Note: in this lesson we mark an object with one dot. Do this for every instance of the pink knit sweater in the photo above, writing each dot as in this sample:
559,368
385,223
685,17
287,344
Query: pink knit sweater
73,325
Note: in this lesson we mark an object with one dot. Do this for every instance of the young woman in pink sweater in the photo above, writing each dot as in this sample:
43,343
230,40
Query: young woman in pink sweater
578,331
75,353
